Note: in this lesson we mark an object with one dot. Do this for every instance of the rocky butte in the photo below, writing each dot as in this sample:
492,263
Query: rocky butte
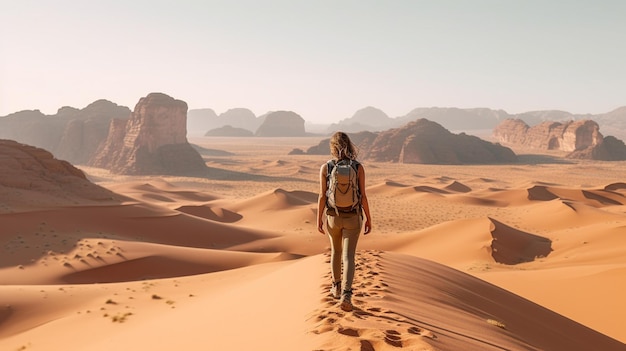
567,136
426,142
282,124
71,134
152,141
581,138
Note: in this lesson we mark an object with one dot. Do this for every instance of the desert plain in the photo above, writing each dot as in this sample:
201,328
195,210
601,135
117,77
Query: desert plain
525,256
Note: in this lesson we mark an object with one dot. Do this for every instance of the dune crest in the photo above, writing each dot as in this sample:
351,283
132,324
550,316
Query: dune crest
408,302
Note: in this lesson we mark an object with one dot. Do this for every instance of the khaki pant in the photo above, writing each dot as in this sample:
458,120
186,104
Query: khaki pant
343,230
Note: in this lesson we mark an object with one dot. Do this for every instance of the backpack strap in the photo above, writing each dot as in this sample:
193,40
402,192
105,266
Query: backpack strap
356,164
329,168
330,164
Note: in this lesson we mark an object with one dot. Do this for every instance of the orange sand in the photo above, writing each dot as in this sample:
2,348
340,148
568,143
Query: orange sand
511,257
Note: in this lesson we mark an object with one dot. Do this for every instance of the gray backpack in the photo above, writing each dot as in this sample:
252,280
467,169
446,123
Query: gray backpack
343,185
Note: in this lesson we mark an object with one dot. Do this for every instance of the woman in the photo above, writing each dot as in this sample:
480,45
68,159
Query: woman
343,228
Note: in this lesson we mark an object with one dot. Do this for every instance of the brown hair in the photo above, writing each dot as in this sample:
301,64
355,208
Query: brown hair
341,147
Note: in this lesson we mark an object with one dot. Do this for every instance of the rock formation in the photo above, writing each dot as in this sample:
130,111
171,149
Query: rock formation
152,141
229,131
568,136
282,124
71,134
366,119
87,129
31,128
200,120
239,118
613,123
610,149
361,140
453,118
30,176
582,139
424,141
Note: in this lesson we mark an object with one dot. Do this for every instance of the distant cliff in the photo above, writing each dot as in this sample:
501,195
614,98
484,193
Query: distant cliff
423,141
152,141
581,138
567,136
200,121
282,124
71,134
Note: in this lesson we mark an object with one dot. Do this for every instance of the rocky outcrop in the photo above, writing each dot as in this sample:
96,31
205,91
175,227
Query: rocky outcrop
424,141
567,136
30,176
32,128
362,141
610,149
613,123
152,141
366,119
200,120
282,124
239,118
87,129
453,118
229,131
71,134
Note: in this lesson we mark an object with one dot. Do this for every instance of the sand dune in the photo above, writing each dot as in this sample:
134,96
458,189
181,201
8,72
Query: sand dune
238,264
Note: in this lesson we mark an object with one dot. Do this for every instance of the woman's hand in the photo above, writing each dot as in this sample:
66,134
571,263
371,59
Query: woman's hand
320,226
368,227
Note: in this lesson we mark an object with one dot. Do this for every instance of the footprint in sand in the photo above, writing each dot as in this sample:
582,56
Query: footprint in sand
349,332
422,332
356,327
366,346
393,338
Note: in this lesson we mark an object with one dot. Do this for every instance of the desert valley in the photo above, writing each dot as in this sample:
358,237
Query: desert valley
512,254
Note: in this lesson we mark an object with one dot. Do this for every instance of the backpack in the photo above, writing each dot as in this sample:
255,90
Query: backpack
343,193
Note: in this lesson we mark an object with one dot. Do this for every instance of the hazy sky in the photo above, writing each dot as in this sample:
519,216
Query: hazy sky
321,59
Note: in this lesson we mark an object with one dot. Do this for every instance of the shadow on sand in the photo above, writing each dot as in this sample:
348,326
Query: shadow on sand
533,159
223,174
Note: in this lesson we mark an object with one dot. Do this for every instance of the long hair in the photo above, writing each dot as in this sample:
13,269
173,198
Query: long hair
341,147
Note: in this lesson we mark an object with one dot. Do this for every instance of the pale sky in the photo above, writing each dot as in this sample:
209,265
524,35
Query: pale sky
321,59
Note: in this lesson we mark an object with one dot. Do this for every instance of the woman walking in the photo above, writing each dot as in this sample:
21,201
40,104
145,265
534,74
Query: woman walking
342,203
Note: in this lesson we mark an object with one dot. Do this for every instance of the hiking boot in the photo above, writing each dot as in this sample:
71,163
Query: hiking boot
346,300
335,290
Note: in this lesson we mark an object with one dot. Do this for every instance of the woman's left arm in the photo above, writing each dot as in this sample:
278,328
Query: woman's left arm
364,203
321,200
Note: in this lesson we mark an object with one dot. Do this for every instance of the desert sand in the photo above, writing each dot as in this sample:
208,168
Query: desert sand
529,256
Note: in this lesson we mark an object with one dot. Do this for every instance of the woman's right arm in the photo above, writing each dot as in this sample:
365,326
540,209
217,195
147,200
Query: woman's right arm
364,202
321,200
